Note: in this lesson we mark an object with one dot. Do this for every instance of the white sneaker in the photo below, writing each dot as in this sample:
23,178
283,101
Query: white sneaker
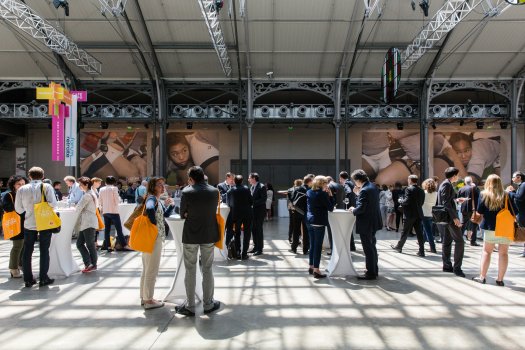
154,304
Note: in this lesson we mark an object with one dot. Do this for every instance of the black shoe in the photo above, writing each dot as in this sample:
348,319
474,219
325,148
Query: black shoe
366,277
305,253
182,310
479,280
293,251
244,257
216,306
433,251
474,244
252,251
421,254
500,283
319,275
448,269
257,253
46,282
396,248
459,273
310,271
30,283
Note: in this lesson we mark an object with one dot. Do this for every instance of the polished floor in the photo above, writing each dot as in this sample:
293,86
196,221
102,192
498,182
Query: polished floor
270,302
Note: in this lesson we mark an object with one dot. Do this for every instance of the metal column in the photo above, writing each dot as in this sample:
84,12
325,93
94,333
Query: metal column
517,87
337,124
423,127
249,123
162,120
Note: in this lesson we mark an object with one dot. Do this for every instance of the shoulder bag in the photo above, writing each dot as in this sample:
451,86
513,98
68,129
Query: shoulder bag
99,218
143,234
519,231
505,222
220,225
11,223
135,214
45,217
475,217
440,213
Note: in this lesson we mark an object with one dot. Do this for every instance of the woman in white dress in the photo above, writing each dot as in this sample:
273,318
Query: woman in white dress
269,200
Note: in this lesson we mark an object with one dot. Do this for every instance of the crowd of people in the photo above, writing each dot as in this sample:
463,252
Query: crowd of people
310,200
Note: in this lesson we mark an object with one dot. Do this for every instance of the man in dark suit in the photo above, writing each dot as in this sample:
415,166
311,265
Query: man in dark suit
299,218
224,187
368,220
240,201
472,192
258,191
412,204
519,198
199,205
452,230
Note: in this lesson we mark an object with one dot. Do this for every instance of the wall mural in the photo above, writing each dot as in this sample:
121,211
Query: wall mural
122,154
186,149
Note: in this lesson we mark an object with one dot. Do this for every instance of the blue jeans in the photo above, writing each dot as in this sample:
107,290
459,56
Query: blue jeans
316,234
115,220
427,229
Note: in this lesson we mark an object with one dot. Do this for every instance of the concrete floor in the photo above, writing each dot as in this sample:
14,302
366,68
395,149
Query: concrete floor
270,302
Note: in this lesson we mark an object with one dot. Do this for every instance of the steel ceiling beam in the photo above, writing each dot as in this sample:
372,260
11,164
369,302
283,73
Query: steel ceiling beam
24,18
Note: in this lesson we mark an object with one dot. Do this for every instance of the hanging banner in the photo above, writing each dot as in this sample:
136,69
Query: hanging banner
57,135
391,74
70,144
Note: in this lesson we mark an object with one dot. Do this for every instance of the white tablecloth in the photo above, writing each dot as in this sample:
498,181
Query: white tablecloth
61,262
282,208
125,210
342,224
178,290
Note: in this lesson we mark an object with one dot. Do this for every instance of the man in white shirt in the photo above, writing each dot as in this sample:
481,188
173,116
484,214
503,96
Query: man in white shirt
26,198
109,200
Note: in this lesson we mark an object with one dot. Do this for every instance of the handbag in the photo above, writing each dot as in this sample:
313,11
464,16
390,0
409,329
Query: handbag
519,231
139,209
220,224
505,222
45,217
475,217
143,234
440,213
11,223
295,203
99,218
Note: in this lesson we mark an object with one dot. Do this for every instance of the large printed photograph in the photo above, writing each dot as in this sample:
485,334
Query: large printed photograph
118,153
186,149
390,156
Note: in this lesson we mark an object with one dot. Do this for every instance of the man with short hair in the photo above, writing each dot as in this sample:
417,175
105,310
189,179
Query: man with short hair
109,201
518,196
198,206
412,204
259,195
75,193
451,231
26,198
471,192
299,218
140,192
240,202
368,220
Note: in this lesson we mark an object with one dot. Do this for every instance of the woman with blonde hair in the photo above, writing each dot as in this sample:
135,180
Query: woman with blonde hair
430,187
319,202
491,201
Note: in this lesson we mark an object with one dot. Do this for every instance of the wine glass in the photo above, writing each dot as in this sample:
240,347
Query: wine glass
346,201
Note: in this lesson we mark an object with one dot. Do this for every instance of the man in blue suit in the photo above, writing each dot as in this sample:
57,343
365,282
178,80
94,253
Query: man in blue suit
368,220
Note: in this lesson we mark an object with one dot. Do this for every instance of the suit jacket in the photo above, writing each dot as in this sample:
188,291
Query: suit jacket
446,197
223,189
259,196
240,201
199,203
519,199
368,215
338,192
471,192
412,202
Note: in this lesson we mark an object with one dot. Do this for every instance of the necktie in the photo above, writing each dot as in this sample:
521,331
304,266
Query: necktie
252,189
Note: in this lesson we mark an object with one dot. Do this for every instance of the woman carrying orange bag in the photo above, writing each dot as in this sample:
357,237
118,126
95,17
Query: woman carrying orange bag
88,221
492,200
8,202
156,212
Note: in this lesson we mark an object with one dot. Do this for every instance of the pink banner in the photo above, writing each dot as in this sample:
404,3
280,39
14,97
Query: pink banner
57,135
81,95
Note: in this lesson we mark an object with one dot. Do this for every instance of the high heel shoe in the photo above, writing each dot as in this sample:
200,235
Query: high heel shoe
500,283
15,273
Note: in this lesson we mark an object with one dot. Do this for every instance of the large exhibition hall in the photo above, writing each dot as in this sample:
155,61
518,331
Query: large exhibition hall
262,174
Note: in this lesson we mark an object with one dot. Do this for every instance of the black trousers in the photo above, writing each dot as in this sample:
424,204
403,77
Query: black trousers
247,223
290,225
229,229
412,223
44,241
299,221
368,241
259,213
449,233
399,217
470,226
